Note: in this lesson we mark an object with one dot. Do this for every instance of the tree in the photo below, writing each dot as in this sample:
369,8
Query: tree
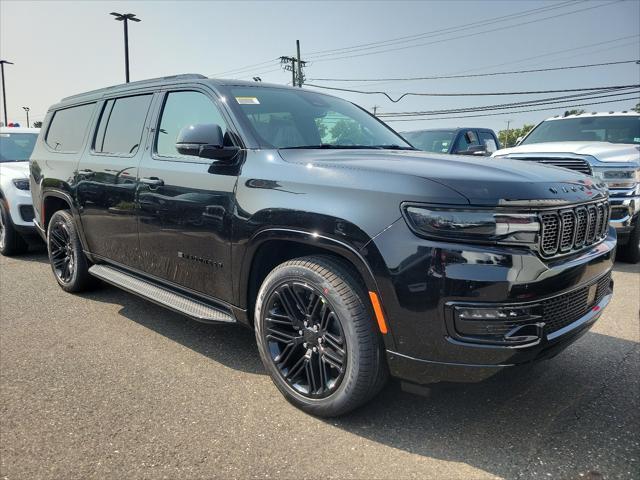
37,124
636,108
575,111
510,139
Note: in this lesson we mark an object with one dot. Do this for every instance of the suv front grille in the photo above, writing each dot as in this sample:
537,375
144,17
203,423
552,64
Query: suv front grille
576,164
570,229
563,310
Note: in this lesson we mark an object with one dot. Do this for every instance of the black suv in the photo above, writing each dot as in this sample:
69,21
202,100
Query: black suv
300,215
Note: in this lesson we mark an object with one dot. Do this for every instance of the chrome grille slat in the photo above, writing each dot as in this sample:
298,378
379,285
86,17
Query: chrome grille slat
566,230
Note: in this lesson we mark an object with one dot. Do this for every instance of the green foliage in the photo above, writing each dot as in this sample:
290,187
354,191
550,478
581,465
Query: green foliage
510,139
636,108
348,132
37,124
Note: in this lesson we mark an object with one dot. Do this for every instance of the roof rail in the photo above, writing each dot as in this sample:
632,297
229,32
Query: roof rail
186,76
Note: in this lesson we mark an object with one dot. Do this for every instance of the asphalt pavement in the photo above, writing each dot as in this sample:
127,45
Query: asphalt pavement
107,385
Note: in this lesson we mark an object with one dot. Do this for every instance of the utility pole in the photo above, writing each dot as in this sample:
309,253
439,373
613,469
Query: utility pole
375,109
125,17
4,90
26,109
506,137
295,65
289,64
299,64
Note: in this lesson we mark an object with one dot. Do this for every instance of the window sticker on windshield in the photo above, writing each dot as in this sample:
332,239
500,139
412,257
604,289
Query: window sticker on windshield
247,100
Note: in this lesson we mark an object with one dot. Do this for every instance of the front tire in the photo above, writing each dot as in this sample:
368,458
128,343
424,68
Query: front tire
316,336
11,243
630,252
68,261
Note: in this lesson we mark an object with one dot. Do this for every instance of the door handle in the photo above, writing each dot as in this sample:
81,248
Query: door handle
85,173
152,181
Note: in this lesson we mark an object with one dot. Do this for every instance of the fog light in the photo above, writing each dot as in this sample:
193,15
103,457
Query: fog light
503,325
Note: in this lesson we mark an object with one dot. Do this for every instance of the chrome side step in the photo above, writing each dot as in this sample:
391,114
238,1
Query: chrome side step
192,308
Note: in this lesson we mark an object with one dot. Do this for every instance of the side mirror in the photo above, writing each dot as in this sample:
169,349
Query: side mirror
206,141
475,150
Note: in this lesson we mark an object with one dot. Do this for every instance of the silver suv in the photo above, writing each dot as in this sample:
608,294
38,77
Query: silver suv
605,145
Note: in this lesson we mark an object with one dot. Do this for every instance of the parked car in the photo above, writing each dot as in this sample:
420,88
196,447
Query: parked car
605,145
304,217
16,211
458,141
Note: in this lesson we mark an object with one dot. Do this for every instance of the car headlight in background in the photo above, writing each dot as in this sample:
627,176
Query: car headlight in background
620,177
486,226
21,183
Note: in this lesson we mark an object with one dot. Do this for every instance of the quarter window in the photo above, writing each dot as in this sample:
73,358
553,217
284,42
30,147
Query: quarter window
489,142
121,125
182,109
68,127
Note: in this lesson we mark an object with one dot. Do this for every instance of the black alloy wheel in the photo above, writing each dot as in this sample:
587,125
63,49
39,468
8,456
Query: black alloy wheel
61,252
305,339
317,336
68,261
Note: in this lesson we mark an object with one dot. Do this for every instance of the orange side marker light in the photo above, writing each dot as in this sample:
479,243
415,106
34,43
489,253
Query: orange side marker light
377,309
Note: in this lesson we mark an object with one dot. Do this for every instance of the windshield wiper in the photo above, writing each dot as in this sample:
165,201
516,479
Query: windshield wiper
392,147
329,146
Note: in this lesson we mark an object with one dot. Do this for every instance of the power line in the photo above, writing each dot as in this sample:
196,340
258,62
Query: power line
507,106
432,33
510,113
248,67
476,94
501,28
440,77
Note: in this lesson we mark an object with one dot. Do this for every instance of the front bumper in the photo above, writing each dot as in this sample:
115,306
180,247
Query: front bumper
421,280
625,211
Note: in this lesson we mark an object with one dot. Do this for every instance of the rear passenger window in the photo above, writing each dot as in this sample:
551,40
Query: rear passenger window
121,125
68,127
182,109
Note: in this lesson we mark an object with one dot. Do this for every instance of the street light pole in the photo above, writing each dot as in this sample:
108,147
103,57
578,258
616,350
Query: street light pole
4,90
125,17
26,109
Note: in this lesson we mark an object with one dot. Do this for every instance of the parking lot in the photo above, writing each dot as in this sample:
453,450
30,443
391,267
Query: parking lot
106,385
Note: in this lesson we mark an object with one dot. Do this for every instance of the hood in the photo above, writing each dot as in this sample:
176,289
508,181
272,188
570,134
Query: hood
14,169
481,181
603,151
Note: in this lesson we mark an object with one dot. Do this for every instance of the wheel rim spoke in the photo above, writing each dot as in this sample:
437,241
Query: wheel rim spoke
305,339
61,252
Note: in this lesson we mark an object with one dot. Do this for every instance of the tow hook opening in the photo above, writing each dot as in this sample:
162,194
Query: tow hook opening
529,333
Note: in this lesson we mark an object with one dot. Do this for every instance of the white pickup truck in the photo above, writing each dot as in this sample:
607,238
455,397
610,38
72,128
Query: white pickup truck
605,145
16,207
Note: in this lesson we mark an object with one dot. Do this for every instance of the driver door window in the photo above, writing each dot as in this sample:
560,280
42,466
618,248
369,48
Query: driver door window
466,140
182,109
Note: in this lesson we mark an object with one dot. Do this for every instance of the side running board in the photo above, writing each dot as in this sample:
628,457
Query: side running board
192,308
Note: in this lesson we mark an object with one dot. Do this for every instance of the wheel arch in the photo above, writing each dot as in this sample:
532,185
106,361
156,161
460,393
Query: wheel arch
53,201
273,246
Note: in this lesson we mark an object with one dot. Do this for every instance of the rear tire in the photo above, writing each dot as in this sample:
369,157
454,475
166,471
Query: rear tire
11,242
630,252
68,261
335,361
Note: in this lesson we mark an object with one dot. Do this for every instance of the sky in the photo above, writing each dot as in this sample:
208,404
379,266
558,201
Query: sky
62,48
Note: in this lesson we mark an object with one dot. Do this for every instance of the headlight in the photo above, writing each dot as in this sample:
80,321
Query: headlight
621,177
21,183
473,225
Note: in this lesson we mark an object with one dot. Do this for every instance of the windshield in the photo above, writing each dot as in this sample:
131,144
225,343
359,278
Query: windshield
438,141
16,147
284,118
613,129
